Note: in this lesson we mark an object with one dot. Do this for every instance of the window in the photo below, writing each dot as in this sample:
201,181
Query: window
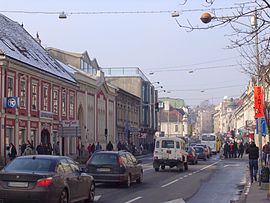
73,165
34,96
45,98
23,93
10,86
177,145
157,144
71,104
176,128
64,103
167,144
66,166
55,101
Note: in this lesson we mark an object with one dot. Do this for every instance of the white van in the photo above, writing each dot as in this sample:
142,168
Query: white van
170,151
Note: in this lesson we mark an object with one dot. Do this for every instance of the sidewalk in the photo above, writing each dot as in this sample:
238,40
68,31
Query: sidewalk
256,194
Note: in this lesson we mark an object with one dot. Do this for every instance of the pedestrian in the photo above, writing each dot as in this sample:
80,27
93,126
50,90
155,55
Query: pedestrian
265,152
226,150
28,150
98,147
93,148
49,149
89,149
56,148
41,149
241,150
12,152
231,150
235,149
119,146
109,146
253,155
23,147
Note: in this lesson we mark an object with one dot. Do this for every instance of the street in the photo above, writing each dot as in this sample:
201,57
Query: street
206,182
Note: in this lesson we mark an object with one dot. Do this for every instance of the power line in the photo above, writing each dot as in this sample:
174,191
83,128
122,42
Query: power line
205,89
121,12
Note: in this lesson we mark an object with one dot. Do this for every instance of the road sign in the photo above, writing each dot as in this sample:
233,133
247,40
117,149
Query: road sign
263,126
258,102
11,102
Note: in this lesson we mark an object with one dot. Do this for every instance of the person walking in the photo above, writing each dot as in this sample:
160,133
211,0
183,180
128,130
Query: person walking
241,150
12,152
98,147
89,149
109,146
93,148
119,146
28,150
56,148
253,155
265,152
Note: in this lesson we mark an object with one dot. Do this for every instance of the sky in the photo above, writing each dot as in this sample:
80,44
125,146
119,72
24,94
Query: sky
153,42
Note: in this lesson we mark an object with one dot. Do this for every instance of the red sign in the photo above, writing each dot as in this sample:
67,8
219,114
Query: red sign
258,102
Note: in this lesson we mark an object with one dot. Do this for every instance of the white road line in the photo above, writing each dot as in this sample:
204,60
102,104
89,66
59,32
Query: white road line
170,183
181,178
133,200
147,169
97,197
176,201
185,176
190,174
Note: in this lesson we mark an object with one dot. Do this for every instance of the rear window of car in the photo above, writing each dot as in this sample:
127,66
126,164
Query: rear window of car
100,159
167,144
198,149
31,165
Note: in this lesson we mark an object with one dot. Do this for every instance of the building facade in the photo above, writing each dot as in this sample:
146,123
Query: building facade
135,82
38,94
96,99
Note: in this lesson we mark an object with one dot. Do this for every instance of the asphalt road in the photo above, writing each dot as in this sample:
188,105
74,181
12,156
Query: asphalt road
160,187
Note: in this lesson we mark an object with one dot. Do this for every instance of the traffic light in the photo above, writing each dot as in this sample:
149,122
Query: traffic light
157,107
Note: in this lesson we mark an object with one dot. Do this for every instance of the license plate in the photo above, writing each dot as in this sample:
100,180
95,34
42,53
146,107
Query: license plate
18,184
103,169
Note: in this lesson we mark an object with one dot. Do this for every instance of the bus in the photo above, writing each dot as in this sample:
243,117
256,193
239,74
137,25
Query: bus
211,140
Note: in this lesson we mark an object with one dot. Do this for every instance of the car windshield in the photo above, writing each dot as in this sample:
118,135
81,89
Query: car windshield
101,159
31,165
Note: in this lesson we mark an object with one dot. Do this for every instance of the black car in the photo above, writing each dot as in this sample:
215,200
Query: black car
192,155
115,166
45,179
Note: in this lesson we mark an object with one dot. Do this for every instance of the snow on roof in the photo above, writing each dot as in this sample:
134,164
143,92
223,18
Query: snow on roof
17,43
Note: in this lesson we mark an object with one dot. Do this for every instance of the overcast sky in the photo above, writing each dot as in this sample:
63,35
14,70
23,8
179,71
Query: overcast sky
152,42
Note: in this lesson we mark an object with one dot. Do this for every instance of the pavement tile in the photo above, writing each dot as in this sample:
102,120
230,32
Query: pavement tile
256,194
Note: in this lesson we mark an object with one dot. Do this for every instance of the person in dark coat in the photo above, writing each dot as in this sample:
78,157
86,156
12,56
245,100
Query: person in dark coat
226,150
12,152
41,149
119,146
253,155
93,148
109,146
241,150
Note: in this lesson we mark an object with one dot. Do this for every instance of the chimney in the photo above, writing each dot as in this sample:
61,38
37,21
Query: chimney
37,38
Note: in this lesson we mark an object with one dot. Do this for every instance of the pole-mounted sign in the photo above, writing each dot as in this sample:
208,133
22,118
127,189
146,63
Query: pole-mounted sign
258,102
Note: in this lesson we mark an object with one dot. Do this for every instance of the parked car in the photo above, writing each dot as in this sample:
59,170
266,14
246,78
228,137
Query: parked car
45,179
115,166
206,149
192,155
200,151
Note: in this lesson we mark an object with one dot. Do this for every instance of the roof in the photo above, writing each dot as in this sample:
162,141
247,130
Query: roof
18,44
53,157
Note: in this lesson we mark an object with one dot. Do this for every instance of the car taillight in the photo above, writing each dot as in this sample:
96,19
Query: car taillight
44,182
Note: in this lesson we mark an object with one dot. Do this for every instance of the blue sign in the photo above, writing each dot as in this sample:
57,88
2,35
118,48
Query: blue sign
263,126
12,102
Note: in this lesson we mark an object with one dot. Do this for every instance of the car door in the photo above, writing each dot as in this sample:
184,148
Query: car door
71,179
178,154
82,187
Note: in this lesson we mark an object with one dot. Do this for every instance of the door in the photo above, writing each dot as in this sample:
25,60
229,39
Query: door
45,137
178,150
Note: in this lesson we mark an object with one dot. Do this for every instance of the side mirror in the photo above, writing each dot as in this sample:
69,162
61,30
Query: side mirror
139,161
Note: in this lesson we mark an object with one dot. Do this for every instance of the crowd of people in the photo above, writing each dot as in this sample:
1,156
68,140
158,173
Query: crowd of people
233,149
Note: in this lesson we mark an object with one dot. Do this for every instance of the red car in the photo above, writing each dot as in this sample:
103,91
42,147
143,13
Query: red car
192,155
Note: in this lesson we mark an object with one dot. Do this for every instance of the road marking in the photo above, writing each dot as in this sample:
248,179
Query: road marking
190,174
170,183
97,197
147,169
176,201
133,200
185,176
231,165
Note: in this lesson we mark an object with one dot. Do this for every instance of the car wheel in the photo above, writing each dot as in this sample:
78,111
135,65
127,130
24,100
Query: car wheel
63,197
163,167
128,182
140,179
156,169
91,196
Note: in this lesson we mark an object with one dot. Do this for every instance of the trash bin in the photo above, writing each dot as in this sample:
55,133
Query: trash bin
265,175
